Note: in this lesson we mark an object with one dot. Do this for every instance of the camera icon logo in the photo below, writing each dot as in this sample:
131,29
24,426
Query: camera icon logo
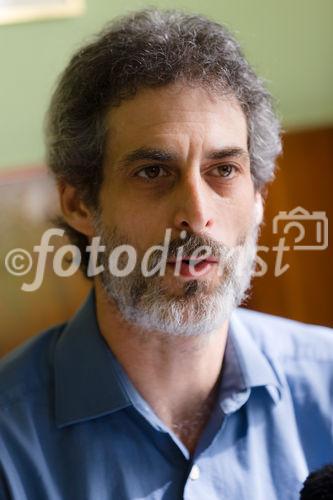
310,224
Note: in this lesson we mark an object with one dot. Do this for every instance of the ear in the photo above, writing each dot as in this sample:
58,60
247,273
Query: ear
74,211
259,208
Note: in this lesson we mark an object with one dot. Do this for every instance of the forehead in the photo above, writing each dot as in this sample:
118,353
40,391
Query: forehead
178,118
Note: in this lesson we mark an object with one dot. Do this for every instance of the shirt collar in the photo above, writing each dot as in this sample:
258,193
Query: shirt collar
86,383
244,368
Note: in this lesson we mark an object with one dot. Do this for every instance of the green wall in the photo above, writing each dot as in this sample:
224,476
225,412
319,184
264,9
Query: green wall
288,41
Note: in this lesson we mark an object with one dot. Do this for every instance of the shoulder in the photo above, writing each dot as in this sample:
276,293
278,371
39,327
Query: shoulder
287,339
301,356
28,368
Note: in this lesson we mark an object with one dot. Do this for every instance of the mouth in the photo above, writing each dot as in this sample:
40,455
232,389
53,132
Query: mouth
192,267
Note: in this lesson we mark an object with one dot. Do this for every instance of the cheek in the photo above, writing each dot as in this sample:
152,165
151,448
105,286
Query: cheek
237,217
246,216
140,223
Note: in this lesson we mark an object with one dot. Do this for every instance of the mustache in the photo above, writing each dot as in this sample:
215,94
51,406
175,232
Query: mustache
198,245
192,243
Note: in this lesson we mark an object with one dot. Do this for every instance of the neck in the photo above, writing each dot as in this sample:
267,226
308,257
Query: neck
177,376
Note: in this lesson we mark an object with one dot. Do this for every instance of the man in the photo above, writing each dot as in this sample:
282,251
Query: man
160,387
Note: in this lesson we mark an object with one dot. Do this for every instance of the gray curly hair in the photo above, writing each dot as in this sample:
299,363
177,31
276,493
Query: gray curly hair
149,48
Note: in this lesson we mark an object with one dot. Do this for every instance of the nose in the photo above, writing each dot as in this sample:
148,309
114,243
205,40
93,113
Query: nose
192,205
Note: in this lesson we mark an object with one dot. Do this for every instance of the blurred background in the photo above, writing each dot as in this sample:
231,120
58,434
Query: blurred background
289,44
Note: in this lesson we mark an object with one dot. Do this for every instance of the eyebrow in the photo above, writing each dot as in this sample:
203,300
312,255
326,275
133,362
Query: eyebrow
165,155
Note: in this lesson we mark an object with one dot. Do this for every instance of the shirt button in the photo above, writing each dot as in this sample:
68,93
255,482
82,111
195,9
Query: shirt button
195,472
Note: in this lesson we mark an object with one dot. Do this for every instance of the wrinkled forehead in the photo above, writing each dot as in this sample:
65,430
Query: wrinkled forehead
177,118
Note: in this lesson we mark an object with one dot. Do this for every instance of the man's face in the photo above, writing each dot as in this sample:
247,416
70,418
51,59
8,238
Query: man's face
177,157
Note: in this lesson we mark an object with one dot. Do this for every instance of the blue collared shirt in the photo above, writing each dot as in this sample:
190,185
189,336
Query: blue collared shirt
73,427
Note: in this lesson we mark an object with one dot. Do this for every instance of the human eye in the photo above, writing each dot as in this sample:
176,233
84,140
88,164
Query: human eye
151,172
227,171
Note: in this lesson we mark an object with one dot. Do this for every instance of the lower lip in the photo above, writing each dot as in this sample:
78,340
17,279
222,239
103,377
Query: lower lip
200,269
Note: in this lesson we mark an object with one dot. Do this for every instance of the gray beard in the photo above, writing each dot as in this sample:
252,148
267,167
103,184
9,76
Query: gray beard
200,310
